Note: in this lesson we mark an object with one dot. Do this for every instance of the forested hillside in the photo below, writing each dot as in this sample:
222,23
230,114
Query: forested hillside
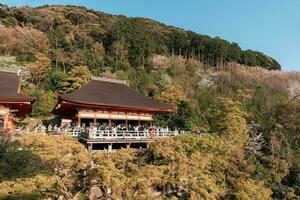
78,36
243,111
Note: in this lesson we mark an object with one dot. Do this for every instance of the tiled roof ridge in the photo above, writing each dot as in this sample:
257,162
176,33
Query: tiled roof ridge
96,78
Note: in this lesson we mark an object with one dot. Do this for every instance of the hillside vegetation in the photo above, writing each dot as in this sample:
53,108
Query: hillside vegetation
244,112
79,36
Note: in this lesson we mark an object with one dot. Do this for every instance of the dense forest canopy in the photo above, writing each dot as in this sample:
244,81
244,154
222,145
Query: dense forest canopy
79,36
243,111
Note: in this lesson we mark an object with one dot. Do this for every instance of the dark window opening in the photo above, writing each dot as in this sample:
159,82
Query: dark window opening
138,145
119,145
100,147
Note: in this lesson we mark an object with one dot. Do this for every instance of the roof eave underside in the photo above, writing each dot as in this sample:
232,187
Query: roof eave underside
137,108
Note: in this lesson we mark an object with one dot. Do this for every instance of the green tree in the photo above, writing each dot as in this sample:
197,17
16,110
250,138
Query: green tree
77,77
45,100
229,121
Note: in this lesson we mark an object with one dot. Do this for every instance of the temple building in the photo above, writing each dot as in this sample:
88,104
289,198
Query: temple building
108,101
12,103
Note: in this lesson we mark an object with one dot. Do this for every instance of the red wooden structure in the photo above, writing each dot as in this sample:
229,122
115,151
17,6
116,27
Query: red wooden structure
108,99
12,103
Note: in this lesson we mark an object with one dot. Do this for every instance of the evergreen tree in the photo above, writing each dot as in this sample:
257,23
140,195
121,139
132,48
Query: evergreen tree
77,77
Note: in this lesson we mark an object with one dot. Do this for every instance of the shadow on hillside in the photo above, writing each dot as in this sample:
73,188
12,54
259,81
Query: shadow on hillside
31,196
16,163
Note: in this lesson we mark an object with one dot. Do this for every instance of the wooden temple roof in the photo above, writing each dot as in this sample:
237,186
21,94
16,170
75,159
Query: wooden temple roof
10,88
10,92
109,94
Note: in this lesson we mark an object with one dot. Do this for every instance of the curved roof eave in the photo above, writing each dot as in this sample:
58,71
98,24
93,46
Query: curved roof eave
169,108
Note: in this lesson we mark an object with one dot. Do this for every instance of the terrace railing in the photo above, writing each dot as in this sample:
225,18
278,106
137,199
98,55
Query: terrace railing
130,135
121,135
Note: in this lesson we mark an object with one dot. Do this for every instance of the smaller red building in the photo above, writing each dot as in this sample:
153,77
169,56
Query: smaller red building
107,100
12,103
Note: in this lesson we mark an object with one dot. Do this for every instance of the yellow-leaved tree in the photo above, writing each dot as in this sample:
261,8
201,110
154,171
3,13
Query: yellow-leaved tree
182,167
172,94
38,166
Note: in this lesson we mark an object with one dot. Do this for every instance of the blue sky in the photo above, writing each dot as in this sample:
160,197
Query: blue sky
270,26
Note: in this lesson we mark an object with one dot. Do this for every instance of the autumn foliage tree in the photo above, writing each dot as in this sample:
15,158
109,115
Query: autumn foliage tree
184,167
23,43
40,68
38,166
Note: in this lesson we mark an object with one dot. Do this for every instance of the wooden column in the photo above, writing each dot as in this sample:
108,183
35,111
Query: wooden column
6,121
90,147
126,123
95,121
79,121
109,122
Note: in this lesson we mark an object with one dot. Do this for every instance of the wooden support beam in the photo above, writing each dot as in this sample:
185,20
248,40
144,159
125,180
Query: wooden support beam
79,121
